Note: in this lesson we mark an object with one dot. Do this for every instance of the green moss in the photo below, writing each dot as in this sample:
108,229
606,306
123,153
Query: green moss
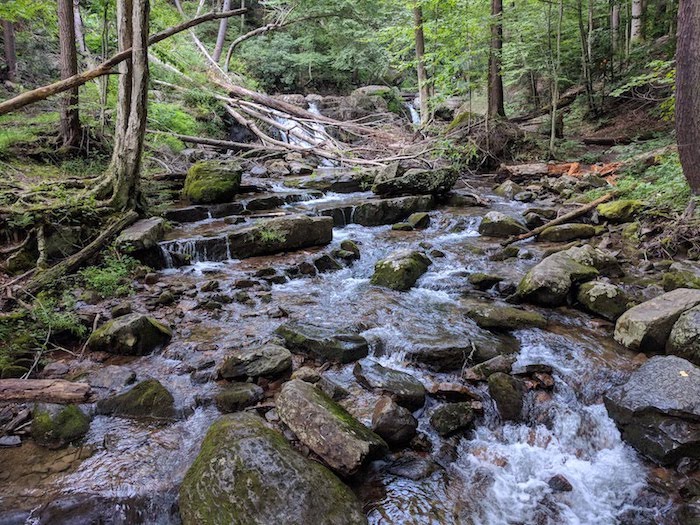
620,210
147,400
68,425
211,182
680,279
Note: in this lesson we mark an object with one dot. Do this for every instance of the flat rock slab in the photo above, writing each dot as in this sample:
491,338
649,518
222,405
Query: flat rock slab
328,429
402,386
142,235
647,326
377,212
323,343
269,360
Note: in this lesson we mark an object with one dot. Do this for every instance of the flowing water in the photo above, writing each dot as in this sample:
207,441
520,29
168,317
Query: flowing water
498,474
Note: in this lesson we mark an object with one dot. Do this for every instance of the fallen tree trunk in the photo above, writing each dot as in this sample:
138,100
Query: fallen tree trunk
226,144
560,220
51,275
606,141
105,68
44,391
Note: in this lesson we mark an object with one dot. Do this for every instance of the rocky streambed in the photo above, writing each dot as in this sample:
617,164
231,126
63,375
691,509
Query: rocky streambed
311,353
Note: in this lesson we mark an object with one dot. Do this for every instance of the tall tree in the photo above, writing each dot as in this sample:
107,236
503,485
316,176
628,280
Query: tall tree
636,21
8,34
423,88
495,79
688,91
70,132
221,36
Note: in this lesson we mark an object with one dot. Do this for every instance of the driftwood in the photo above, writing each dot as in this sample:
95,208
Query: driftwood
71,264
44,391
520,172
105,68
561,220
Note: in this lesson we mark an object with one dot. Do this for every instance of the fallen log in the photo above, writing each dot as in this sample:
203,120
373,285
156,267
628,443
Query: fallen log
106,67
560,220
521,172
606,141
225,144
44,391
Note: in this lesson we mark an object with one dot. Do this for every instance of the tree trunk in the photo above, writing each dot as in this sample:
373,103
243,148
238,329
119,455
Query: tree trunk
423,92
688,91
636,21
555,82
221,37
79,27
8,34
585,59
614,33
70,118
495,88
44,391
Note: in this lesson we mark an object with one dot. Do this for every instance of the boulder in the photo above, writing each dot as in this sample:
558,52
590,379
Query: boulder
484,281
419,220
336,180
393,181
549,282
452,418
350,246
497,224
567,232
146,400
508,189
444,352
405,389
59,427
622,210
675,279
400,270
658,409
507,393
213,181
482,371
394,423
142,235
603,299
647,326
237,396
322,343
247,474
131,334
378,212
269,360
505,317
684,340
326,428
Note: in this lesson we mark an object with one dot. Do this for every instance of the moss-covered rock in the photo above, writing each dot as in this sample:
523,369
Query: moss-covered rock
56,429
507,393
147,400
132,334
452,418
269,360
350,246
497,224
238,396
213,181
567,232
508,189
419,220
484,281
400,270
394,181
322,343
603,299
247,474
505,317
402,227
622,210
684,340
673,280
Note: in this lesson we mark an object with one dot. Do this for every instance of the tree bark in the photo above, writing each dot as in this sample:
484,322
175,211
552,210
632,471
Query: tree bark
70,132
636,21
8,34
221,37
495,80
423,91
688,91
79,28
44,391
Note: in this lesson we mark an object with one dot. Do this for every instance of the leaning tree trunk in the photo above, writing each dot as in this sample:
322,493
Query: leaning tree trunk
688,91
423,92
8,34
221,37
495,87
70,119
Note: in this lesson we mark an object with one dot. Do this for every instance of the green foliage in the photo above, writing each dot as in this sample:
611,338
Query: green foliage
270,235
113,277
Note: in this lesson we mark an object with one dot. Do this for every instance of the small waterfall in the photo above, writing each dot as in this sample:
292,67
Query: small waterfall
415,115
298,135
187,250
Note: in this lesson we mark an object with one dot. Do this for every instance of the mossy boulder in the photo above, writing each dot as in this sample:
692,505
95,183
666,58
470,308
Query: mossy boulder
497,224
567,232
622,210
452,418
237,396
247,474
484,281
394,181
400,270
323,343
213,181
508,189
419,220
402,386
327,428
684,340
61,427
132,334
603,299
505,317
146,400
675,279
507,393
269,360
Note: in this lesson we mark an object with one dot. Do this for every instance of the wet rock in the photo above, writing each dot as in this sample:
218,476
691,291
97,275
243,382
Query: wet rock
211,286
308,374
187,214
238,396
506,253
484,281
453,392
507,393
647,326
213,181
452,418
326,263
269,360
505,317
323,343
58,427
525,196
412,467
328,429
567,232
482,371
402,227
335,180
151,278
350,246
120,310
394,423
385,211
497,224
392,181
603,299
132,334
532,220
332,389
622,210
400,270
550,281
146,400
658,409
547,213
111,378
559,483
419,220
447,353
508,189
459,199
684,340
142,235
247,474
405,389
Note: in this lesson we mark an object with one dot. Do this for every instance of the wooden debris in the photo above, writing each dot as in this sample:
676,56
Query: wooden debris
44,391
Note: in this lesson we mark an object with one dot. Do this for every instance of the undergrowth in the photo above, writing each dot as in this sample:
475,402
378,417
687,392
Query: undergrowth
113,277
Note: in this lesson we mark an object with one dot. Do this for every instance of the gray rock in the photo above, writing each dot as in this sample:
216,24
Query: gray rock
269,360
482,371
142,235
392,422
402,386
322,343
507,393
603,299
132,334
567,232
377,212
658,409
494,317
508,189
400,270
237,396
247,474
497,224
392,181
684,340
328,429
146,400
452,418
